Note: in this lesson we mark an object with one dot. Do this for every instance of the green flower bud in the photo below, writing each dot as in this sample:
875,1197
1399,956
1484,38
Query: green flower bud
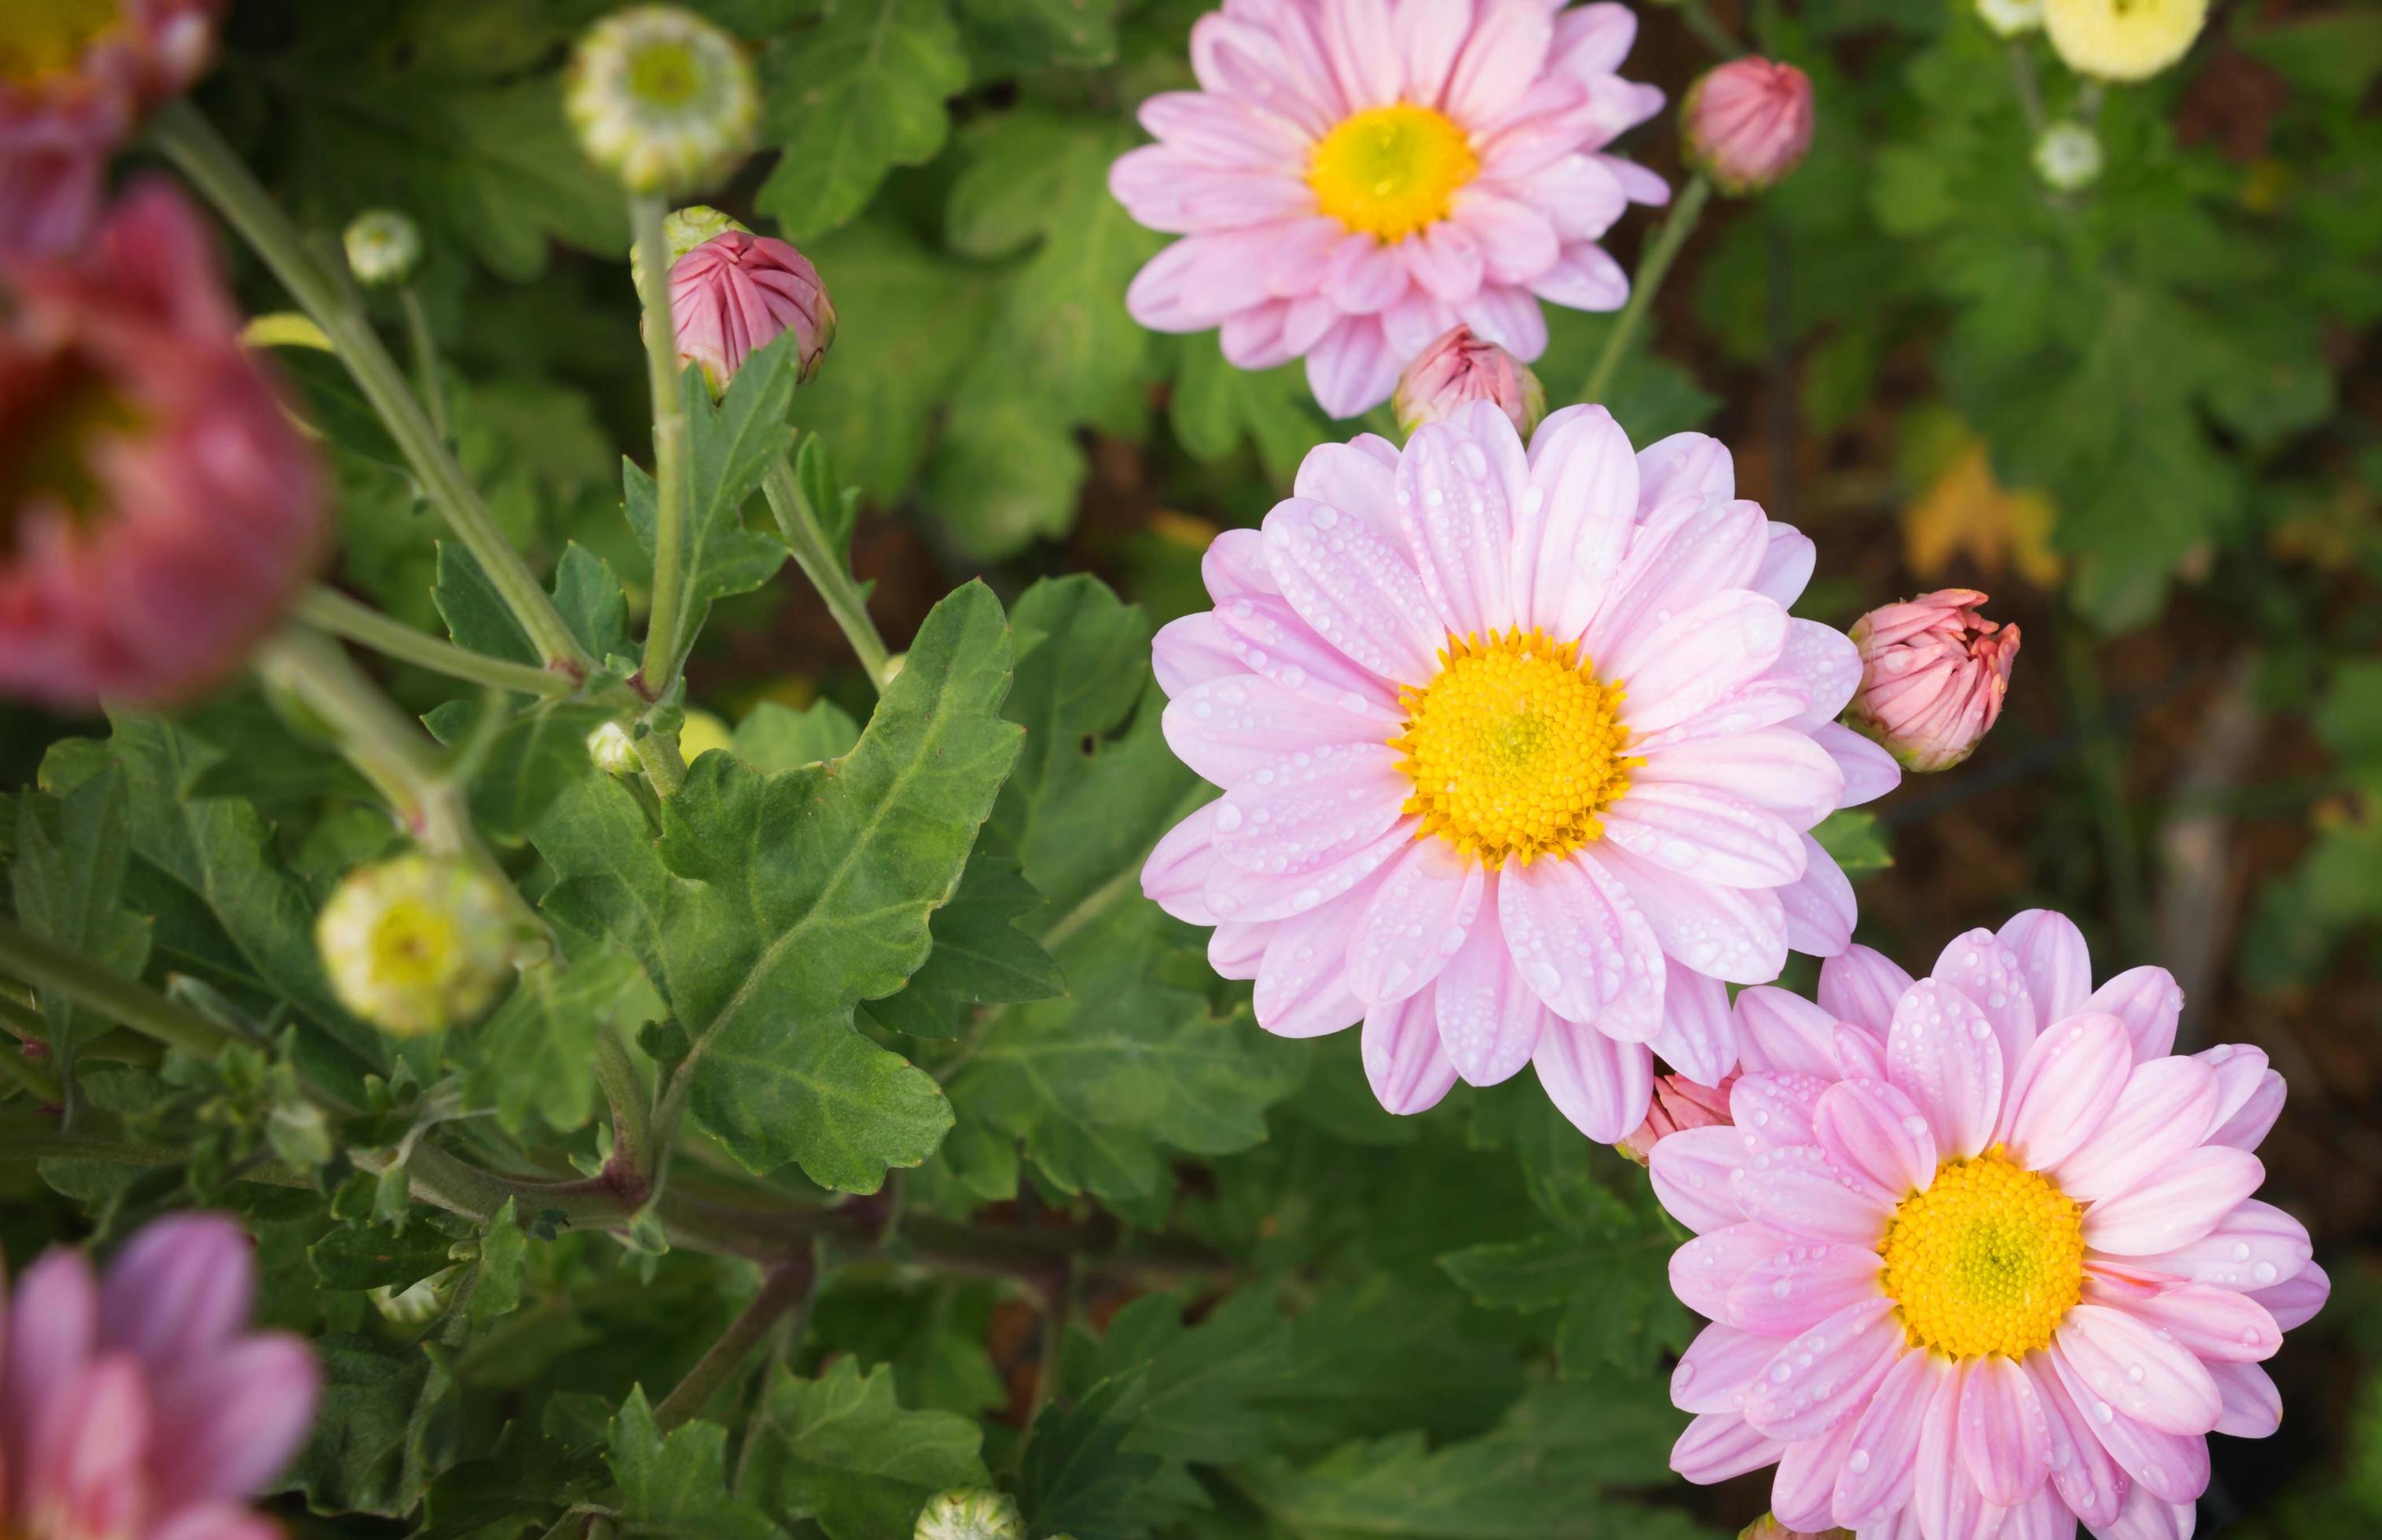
611,748
384,248
662,99
2068,157
417,944
970,1513
691,226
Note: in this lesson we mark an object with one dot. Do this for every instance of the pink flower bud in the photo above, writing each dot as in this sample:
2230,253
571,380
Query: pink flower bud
737,292
1933,672
1679,1103
1459,368
1748,124
158,510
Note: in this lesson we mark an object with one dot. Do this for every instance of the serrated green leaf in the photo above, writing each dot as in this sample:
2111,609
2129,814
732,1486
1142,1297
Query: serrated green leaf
771,906
840,1449
66,877
530,1061
850,99
980,956
1079,1478
774,737
1609,1274
678,1486
385,1426
538,753
1079,34
497,1287
365,1256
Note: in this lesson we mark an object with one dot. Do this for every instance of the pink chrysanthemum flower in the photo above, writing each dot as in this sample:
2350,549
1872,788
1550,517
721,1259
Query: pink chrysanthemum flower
1356,176
137,1407
1981,1255
157,508
737,293
1520,752
75,78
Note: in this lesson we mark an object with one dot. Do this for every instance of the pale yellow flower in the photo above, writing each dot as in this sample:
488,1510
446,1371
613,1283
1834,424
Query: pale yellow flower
2123,40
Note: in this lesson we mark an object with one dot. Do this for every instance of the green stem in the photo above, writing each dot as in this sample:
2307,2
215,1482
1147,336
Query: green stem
426,358
30,1076
1653,267
624,1089
798,521
191,143
785,1286
665,766
1697,15
2026,87
2104,768
665,649
333,611
46,965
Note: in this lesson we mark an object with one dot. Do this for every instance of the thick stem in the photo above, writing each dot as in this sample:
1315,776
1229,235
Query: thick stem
30,1077
191,143
665,766
426,359
333,611
785,1286
798,521
624,1089
665,648
1652,268
46,965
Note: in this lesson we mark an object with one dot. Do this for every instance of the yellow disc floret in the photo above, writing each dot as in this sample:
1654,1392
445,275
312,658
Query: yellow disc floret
417,944
1985,1260
1389,171
39,38
1514,747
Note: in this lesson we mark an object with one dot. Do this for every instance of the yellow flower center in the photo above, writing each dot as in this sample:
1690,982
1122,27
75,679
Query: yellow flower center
44,37
1514,747
1389,171
415,945
1985,1260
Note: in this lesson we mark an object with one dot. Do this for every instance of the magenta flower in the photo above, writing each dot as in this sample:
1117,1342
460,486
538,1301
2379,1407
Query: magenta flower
739,292
1979,1253
1519,753
137,1408
1460,367
1747,123
157,508
75,78
1933,674
1355,177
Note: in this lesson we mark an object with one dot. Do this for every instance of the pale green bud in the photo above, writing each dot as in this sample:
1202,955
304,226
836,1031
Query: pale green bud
384,248
662,99
2068,157
611,749
970,1513
417,944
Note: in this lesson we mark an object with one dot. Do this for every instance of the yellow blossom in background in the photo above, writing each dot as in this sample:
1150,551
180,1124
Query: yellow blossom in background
701,733
1967,513
2123,40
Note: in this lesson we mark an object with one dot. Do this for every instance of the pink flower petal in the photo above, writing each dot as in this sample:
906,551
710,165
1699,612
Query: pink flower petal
1238,892
1869,771
1706,1269
1583,278
1862,987
1696,552
1829,1372
1762,703
1601,1084
1705,835
1431,33
52,1327
2214,1324
1508,317
216,1522
2065,1088
1799,1189
2249,1095
88,1449
1777,768
1946,1496
2058,967
1878,1134
1352,370
1719,1445
1270,640
1221,131
1302,987
2004,1433
2253,1249
1191,650
2176,1205
1787,564
1363,51
1703,655
2174,1466
1359,592
1488,1017
2146,1373
1577,941
1240,57
2149,1002
1166,189
1582,199
2089,1482
1772,1109
1825,662
1235,949
2295,1302
1593,40
1718,1367
1305,811
1507,49
1696,467
1178,869
1227,729
1738,935
1994,978
1447,262
1804,1488
1517,242
1355,482
2250,1405
1583,489
1942,1054
1456,486
2161,1113
1779,1030
1699,1032
1364,276
1796,1288
239,1419
1877,1477
1404,1062
1693,1174
1427,903
1820,906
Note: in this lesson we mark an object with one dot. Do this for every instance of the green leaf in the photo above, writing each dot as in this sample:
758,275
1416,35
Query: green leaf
771,906
385,1426
774,737
1202,1384
850,99
1609,1273
539,752
530,1061
980,956
1856,839
835,506
1079,1478
678,1486
504,1245
585,591
1079,34
67,876
365,1256
730,447
1006,470
840,1449
1137,1057
1214,405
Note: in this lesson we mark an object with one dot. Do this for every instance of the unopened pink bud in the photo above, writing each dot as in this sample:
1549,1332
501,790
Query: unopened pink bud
1747,123
1933,673
1460,367
739,292
1678,1103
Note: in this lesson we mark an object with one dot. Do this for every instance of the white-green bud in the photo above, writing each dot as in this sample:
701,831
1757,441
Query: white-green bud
384,248
2068,157
609,747
2010,17
970,1513
662,99
417,944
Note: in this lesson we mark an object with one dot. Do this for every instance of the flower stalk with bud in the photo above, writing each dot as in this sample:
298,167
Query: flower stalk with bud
1934,672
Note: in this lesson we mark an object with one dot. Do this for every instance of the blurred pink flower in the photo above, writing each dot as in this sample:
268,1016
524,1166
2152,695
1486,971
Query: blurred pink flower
1355,177
75,76
1933,673
739,292
158,510
136,1407
1679,1103
1747,123
1980,1252
1460,367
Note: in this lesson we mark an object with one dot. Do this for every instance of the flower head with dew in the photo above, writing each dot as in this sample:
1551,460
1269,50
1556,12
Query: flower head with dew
384,246
1747,123
158,511
734,293
140,1405
662,99
2123,40
76,76
1980,1252
1520,750
1934,672
970,1513
417,944
1354,178
1462,367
